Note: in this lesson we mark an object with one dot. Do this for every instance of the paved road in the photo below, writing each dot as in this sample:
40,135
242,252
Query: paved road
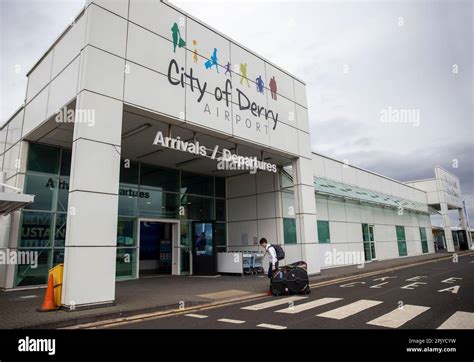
428,296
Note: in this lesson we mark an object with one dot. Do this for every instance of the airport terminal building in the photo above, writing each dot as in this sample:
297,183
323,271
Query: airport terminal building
149,142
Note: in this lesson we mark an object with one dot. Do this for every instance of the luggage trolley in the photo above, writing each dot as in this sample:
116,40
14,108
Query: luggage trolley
247,262
258,263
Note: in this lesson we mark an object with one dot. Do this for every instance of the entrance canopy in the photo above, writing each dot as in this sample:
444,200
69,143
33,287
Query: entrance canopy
139,130
10,202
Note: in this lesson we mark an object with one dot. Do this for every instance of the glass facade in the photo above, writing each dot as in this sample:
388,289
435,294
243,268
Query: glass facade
288,208
43,223
401,241
145,191
424,240
323,231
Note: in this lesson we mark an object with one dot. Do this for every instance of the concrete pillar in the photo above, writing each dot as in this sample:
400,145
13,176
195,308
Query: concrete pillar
305,212
447,227
465,225
89,272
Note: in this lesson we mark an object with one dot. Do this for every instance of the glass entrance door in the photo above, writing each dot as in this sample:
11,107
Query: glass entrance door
156,245
369,242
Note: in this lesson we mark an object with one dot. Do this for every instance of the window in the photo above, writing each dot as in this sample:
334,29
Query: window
36,230
29,274
129,172
220,236
401,241
220,209
195,184
158,204
197,208
43,159
220,187
424,241
128,199
289,231
159,178
323,232
288,204
44,188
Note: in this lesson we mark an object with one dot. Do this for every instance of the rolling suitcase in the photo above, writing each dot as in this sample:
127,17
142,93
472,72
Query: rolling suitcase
290,279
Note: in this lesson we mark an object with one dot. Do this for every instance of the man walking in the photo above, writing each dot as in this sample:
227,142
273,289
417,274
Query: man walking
272,256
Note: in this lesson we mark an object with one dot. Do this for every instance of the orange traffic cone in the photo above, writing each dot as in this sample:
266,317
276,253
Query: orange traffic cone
48,303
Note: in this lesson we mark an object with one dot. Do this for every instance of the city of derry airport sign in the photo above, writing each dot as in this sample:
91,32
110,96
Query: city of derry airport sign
178,77
245,111
228,160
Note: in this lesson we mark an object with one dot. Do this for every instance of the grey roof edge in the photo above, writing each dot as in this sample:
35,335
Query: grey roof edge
368,171
75,19
18,110
185,14
442,168
422,180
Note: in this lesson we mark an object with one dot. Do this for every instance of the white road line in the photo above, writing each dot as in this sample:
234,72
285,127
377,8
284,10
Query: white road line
233,321
271,326
399,316
349,309
459,320
305,306
201,316
272,303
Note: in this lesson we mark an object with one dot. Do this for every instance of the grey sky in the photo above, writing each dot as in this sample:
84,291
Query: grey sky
357,58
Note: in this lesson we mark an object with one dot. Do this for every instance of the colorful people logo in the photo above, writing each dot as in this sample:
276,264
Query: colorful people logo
260,84
243,74
213,61
178,41
273,88
195,52
227,69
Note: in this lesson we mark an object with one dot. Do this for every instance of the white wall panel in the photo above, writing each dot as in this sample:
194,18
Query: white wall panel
241,185
69,46
145,88
353,212
338,232
119,7
337,210
39,77
300,93
103,73
14,130
333,169
242,208
266,206
106,31
157,17
63,88
35,111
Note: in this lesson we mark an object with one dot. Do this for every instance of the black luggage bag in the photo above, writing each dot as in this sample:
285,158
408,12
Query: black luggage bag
290,279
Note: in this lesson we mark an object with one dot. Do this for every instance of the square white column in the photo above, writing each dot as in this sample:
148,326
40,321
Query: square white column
89,263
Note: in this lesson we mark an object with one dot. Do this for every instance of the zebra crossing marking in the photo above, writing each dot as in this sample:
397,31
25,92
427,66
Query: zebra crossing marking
349,309
200,316
272,303
233,321
459,320
398,316
271,326
309,305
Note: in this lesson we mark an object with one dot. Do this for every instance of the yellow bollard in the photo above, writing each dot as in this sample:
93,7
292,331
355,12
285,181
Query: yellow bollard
57,273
